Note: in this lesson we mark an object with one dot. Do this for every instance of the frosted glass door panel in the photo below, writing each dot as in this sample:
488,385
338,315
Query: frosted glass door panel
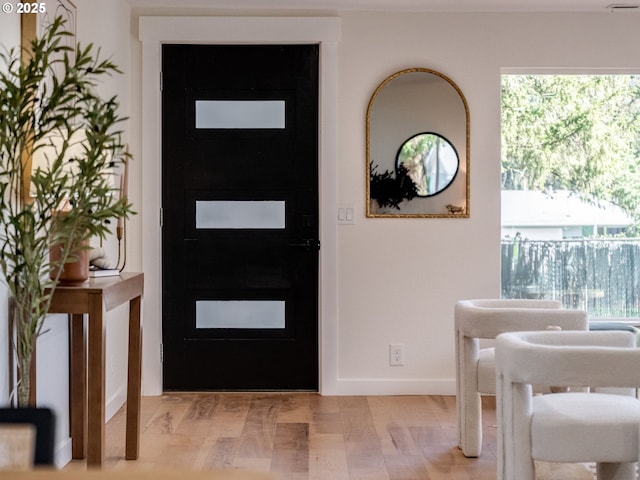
240,114
240,314
240,214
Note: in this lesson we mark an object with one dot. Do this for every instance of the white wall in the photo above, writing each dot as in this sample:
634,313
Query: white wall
398,279
106,25
9,37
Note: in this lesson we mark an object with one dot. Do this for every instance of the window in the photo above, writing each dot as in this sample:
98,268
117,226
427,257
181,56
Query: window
571,191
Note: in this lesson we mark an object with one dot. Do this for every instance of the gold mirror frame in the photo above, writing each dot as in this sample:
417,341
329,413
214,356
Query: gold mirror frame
400,117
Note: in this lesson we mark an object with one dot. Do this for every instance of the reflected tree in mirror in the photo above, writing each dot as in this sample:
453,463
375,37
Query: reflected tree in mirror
430,161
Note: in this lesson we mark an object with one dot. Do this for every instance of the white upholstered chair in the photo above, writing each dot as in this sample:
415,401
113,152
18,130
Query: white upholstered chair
567,427
475,367
27,437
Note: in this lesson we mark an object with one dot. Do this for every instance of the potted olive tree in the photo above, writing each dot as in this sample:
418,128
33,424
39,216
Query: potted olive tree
49,108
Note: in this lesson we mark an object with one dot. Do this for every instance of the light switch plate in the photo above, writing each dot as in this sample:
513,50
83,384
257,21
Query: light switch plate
346,214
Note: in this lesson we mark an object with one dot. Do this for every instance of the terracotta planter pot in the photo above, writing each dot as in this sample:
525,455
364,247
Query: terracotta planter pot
74,272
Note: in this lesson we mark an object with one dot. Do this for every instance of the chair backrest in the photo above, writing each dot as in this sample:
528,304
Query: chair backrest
17,446
564,358
39,420
488,318
512,303
573,359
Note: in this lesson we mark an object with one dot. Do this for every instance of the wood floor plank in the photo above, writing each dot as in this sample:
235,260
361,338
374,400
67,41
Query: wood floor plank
325,414
327,457
362,444
180,453
392,416
455,471
406,467
294,408
401,438
221,454
257,436
435,445
230,415
305,436
168,415
197,419
290,449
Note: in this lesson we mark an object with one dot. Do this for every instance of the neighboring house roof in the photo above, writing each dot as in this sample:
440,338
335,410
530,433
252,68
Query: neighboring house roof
528,208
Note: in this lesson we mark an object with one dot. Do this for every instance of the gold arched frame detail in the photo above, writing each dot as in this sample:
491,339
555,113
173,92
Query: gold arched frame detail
457,210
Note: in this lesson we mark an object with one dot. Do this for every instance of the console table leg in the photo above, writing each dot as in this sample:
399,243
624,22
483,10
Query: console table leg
134,380
96,383
78,386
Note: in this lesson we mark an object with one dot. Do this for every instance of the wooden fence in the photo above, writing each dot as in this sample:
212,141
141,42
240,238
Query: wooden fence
599,275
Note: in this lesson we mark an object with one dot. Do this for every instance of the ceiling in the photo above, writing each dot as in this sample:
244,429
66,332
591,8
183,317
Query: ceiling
409,5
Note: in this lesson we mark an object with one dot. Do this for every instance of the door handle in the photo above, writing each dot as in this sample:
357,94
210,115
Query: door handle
307,244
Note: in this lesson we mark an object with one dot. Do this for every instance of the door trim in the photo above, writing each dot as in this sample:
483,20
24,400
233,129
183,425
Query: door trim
153,32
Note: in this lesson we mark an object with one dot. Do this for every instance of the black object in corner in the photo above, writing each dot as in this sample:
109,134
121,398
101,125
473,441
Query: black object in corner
44,421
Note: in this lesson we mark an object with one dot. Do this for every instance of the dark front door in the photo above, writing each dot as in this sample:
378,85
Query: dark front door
240,217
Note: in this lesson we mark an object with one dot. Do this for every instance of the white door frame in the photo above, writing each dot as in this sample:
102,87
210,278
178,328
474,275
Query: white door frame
157,30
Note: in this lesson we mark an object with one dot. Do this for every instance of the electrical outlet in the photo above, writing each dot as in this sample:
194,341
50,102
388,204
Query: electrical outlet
396,354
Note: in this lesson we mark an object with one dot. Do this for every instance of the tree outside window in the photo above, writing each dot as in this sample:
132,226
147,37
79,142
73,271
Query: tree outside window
577,137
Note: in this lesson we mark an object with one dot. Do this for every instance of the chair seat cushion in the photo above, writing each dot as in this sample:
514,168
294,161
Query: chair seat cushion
607,325
486,371
585,427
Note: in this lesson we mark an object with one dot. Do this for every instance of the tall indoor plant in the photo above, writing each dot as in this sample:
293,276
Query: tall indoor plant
49,107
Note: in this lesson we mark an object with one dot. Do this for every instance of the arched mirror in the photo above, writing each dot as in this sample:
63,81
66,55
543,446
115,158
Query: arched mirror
418,147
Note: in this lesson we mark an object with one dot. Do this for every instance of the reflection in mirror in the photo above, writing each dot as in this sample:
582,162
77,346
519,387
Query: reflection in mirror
430,161
417,147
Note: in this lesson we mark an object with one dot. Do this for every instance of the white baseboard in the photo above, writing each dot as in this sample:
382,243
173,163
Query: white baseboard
383,387
62,453
115,402
393,387
356,386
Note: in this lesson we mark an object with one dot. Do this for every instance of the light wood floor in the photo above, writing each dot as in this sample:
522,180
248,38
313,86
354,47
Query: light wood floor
300,436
